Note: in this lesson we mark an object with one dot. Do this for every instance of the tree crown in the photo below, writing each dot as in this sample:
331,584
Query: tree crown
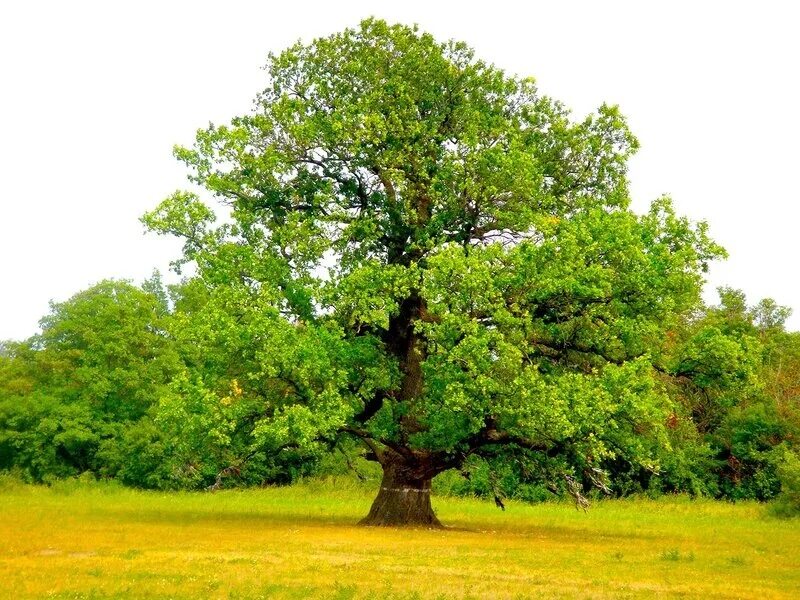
429,255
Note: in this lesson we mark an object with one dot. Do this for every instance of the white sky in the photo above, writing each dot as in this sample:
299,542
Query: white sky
93,95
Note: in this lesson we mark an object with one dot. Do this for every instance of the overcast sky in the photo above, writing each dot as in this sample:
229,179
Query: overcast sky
93,95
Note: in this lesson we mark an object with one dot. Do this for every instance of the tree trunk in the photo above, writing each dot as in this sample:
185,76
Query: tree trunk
404,499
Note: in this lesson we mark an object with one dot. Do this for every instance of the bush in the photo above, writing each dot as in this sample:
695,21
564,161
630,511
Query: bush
46,440
787,504
746,443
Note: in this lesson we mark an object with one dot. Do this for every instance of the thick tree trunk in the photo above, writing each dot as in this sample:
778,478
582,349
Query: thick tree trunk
403,499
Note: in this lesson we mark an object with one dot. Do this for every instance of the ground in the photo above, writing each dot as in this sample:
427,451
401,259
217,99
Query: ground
97,541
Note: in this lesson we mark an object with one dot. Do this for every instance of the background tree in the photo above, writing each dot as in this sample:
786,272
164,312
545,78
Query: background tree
735,378
68,395
432,258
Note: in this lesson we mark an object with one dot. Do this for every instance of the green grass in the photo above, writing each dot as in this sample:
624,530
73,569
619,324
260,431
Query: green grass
75,540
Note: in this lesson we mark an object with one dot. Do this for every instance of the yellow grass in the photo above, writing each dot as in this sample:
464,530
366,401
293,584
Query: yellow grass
98,541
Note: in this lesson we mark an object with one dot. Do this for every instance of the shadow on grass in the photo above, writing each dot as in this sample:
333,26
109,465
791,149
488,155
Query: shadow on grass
300,518
198,517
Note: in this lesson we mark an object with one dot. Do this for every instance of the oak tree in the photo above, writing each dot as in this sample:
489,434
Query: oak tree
424,253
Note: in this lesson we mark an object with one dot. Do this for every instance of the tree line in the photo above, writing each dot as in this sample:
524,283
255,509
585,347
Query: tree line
138,383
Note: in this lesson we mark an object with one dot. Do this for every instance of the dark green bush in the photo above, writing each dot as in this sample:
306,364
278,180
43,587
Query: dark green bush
787,504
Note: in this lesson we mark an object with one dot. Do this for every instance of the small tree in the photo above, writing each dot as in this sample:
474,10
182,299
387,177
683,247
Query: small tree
429,256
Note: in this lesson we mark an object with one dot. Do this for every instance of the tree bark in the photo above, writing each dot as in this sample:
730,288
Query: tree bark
403,499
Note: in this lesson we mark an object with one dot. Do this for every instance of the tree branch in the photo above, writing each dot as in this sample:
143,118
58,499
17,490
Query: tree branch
370,440
371,407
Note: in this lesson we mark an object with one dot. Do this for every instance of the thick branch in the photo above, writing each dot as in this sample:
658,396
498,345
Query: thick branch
371,407
370,440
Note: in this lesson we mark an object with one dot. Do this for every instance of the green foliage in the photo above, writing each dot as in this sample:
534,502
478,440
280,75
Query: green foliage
748,438
529,480
788,469
688,464
46,439
211,441
138,456
69,394
736,385
106,347
429,256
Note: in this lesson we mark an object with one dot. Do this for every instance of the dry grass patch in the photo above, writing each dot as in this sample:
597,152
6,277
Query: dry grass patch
99,541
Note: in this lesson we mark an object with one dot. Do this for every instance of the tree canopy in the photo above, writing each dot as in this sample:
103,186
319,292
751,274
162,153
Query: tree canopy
426,254
67,395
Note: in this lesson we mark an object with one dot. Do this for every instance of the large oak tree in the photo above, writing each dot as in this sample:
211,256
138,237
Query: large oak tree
425,254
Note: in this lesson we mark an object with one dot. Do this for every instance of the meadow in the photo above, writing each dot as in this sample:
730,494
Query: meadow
77,540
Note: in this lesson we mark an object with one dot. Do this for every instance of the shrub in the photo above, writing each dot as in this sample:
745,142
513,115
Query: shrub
787,503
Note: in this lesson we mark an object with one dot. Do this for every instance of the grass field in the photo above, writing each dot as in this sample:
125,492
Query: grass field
97,541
